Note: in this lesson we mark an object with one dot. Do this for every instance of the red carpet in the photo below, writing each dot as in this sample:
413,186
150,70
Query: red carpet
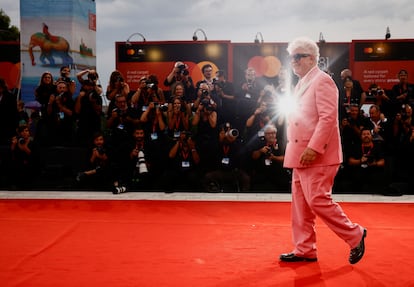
198,244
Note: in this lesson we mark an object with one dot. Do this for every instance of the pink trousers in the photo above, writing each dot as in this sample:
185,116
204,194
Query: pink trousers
311,197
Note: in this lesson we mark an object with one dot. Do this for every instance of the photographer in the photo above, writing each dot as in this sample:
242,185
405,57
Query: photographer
403,92
116,85
154,122
92,77
88,111
263,114
366,163
63,109
22,168
182,171
135,163
154,92
65,76
204,126
97,172
224,93
267,155
348,95
230,162
204,95
381,99
44,92
180,73
248,94
121,121
178,118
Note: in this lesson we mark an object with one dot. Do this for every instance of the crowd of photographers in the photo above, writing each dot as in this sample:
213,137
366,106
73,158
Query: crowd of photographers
212,135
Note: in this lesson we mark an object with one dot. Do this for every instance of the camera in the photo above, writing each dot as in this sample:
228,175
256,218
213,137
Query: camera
162,108
370,159
93,76
204,93
118,111
141,163
65,79
183,69
218,83
119,79
187,135
207,104
151,85
375,92
100,150
21,140
232,134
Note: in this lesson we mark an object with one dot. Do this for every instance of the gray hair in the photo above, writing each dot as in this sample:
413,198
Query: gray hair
305,43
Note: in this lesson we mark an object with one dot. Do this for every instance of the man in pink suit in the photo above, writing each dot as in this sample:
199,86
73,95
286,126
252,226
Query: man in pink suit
314,153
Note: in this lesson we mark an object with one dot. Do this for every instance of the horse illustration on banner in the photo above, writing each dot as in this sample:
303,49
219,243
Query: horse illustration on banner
51,46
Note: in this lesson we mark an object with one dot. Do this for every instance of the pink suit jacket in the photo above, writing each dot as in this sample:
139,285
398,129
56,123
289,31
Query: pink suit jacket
314,123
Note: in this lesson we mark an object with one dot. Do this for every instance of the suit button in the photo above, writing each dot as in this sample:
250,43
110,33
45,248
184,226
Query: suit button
296,141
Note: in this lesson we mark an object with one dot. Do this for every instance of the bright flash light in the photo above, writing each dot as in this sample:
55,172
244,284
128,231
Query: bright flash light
286,105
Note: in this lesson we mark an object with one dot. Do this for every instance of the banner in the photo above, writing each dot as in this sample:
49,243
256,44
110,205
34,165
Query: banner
138,59
379,61
55,33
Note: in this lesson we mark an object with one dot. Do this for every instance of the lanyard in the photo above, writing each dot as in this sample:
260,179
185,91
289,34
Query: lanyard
226,149
369,149
177,122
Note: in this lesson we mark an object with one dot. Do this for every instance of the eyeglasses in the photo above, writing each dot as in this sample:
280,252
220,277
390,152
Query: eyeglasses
298,57
270,133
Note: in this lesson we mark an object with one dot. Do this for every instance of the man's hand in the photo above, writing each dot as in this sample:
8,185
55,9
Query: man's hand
308,156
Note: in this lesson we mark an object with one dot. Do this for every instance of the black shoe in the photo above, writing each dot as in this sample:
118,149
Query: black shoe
119,189
358,252
291,257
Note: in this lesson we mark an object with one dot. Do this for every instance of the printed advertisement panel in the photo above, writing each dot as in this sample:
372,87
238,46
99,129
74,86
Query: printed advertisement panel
378,62
139,59
53,34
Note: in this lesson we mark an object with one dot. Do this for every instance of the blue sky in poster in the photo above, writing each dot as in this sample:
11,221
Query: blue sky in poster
30,8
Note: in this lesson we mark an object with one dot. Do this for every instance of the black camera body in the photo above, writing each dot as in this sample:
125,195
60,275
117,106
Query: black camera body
93,76
162,108
218,83
183,70
65,79
151,85
119,79
187,135
100,149
204,93
207,104
118,112
377,92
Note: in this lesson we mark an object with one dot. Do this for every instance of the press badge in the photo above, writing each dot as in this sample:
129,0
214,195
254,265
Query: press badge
225,161
185,163
260,134
268,161
154,136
